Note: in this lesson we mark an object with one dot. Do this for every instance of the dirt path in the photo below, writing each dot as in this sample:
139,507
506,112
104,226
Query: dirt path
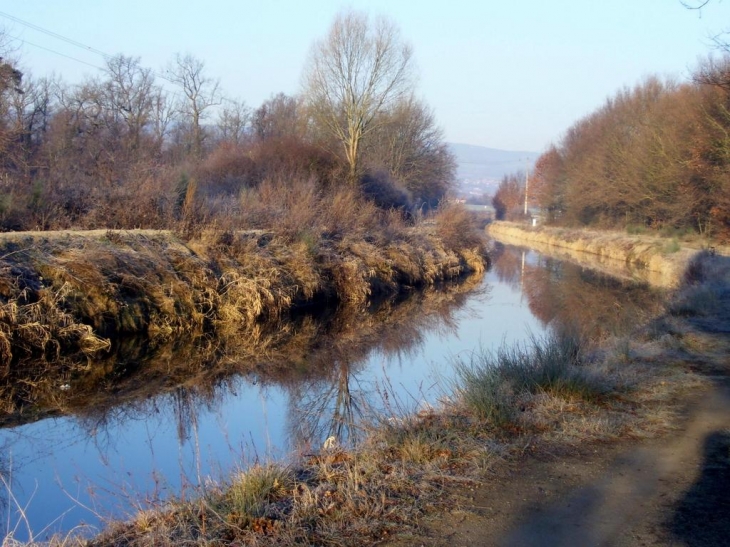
670,491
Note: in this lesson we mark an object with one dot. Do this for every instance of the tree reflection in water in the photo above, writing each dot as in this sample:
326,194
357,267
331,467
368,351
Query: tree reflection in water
315,362
313,356
564,294
340,402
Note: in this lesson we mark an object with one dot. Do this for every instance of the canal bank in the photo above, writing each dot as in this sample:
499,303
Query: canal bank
660,261
425,478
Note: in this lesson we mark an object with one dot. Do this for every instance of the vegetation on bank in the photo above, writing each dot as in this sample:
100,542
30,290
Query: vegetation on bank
67,292
315,352
304,199
661,262
118,151
552,394
655,156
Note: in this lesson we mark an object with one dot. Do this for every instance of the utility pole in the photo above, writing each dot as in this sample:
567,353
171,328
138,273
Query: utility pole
527,180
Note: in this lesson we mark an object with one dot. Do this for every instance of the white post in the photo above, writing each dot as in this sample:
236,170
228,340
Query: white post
527,181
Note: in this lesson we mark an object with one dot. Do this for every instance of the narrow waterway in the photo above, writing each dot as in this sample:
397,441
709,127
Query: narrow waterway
162,421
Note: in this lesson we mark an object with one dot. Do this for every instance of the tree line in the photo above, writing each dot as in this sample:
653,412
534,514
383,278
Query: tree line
653,156
117,150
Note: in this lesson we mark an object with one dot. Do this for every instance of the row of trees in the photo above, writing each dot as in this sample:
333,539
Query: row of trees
656,155
118,150
509,199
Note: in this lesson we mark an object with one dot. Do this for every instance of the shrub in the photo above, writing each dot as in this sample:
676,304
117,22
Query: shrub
457,227
671,247
251,492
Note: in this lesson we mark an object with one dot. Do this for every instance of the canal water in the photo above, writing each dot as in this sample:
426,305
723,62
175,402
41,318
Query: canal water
163,421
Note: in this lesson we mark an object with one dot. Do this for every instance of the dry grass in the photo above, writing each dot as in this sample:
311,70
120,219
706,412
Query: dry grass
496,385
203,365
68,293
612,250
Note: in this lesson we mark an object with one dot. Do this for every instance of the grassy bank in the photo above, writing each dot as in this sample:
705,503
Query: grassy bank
660,261
69,292
548,396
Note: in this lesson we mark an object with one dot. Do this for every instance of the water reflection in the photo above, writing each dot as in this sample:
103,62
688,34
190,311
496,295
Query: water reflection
569,295
154,419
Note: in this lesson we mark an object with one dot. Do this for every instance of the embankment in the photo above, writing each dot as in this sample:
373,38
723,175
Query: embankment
660,262
69,292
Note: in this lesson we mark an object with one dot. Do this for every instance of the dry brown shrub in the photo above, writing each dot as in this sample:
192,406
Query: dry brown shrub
227,169
458,228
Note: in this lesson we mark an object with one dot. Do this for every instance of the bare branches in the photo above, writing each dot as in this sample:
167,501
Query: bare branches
715,72
200,91
355,72
697,5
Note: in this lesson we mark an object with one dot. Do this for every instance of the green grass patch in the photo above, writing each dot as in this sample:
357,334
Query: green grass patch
671,247
251,492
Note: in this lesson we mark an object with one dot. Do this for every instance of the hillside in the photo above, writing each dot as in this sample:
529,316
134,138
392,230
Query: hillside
479,169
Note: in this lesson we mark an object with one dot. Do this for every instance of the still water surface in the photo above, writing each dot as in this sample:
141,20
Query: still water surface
132,446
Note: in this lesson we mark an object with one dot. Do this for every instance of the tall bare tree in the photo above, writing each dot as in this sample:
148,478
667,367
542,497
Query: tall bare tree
129,94
356,71
200,91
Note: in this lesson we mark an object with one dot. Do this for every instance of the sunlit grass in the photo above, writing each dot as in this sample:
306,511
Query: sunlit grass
492,383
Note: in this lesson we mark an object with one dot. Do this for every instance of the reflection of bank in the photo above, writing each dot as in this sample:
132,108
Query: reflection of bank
564,294
610,253
155,420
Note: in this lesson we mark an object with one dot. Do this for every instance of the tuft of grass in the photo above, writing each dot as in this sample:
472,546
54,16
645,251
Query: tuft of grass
493,384
250,493
671,247
635,229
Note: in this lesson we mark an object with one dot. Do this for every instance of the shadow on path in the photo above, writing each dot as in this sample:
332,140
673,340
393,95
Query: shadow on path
702,516
640,486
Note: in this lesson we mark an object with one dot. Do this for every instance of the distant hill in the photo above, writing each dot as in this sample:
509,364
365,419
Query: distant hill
479,169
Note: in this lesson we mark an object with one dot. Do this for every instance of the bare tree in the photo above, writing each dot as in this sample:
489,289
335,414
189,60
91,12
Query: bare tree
163,114
279,117
354,73
233,120
410,146
200,91
129,93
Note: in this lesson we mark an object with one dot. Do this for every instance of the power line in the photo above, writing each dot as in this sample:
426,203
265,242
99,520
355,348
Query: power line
55,35
78,44
24,41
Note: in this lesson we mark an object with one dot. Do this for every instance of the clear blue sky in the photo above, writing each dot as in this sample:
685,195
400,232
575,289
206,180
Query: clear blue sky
511,75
